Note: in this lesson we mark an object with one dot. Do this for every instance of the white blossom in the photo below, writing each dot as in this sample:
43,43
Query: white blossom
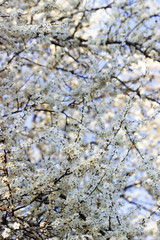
16,225
6,233
79,127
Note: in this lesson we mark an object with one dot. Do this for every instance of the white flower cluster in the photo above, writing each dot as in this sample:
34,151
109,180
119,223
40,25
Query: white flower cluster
79,127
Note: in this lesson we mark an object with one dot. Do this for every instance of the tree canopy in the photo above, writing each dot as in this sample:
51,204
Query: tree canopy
79,124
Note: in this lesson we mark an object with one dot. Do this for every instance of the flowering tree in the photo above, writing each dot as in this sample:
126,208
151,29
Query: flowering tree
79,120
